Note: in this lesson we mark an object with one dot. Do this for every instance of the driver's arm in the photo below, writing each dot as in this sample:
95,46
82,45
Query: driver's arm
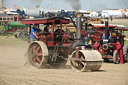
35,35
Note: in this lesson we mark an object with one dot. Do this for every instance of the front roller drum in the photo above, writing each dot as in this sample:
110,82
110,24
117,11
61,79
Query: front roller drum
88,60
37,54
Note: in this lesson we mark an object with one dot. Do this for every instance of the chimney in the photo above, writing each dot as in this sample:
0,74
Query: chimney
106,29
78,26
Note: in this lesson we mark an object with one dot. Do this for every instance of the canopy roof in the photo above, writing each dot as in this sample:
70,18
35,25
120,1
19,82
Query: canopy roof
122,28
55,20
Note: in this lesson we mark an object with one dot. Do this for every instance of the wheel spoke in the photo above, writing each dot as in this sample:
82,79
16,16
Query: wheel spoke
74,63
82,58
37,49
33,49
83,63
31,53
79,65
36,54
33,60
39,54
38,59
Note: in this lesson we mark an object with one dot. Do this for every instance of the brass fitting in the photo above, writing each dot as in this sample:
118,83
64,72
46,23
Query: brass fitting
78,15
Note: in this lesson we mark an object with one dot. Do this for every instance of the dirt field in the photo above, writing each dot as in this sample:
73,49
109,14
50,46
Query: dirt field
14,72
120,22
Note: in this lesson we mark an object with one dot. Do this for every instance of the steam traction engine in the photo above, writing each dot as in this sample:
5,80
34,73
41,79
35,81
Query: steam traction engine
107,50
55,47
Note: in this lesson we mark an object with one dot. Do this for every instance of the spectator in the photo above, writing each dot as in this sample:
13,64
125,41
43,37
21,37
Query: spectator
111,17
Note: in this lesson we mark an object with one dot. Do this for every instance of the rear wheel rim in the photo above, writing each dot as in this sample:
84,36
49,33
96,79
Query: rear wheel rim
79,65
37,54
117,58
127,56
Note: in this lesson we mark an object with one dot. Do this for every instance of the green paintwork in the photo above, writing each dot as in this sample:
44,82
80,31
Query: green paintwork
4,25
16,24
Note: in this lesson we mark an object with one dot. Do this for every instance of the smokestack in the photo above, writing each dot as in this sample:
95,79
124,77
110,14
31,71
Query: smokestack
86,24
78,25
106,29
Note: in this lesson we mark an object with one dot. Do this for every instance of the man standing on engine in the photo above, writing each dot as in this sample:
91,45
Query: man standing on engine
119,50
96,45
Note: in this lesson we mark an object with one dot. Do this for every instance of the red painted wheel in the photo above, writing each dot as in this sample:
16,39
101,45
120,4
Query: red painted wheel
37,54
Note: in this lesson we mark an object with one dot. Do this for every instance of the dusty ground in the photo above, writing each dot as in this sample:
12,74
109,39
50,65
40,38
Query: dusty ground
119,22
14,72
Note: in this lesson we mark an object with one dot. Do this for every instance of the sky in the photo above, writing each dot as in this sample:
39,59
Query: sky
96,5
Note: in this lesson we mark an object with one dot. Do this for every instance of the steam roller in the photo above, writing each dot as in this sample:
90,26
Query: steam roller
55,52
84,58
88,60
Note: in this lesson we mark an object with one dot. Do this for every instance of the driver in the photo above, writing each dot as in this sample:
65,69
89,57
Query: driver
33,35
46,29
58,35
57,30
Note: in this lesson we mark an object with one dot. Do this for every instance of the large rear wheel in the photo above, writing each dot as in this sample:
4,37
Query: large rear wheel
125,53
37,54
